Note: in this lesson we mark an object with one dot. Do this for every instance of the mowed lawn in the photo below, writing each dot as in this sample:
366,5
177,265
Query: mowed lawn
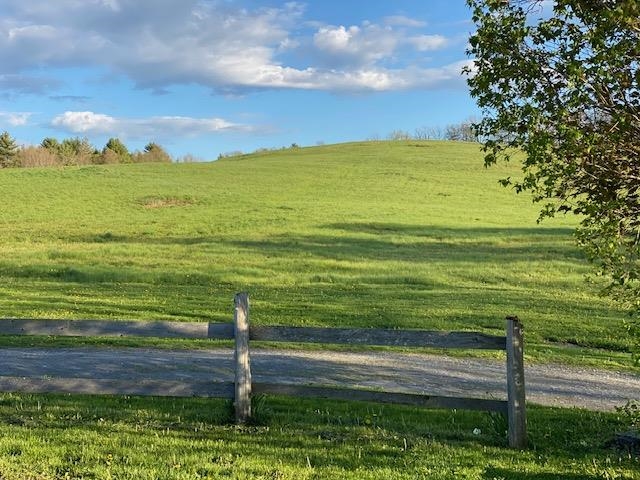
375,234
411,235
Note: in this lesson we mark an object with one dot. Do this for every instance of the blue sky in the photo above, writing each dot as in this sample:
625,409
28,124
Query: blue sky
205,77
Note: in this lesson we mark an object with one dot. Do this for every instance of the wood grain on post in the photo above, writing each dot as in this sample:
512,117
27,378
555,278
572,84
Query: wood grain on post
242,399
515,385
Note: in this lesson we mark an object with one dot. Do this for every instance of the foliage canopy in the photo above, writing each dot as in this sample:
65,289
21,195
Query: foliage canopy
117,148
565,89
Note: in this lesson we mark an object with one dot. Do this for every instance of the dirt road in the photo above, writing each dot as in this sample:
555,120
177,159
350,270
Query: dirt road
192,372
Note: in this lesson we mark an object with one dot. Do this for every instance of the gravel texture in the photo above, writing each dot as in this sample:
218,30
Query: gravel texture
552,385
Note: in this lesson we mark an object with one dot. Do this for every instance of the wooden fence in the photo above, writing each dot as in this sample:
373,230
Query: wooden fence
243,387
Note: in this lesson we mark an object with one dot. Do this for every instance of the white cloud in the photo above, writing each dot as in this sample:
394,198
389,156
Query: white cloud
85,122
351,48
335,38
371,79
90,123
368,43
424,43
15,119
217,44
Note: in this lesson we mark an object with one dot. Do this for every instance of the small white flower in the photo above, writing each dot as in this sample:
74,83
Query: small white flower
477,431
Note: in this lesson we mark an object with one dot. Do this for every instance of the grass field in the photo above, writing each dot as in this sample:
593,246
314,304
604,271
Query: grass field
413,235
60,437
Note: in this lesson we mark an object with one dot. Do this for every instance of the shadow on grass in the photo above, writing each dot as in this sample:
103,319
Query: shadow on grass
330,433
92,297
357,291
102,274
434,231
370,299
354,242
503,473
108,237
422,244
432,245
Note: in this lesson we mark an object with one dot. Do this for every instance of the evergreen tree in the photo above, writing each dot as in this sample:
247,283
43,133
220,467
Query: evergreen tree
154,153
76,151
8,150
120,149
51,144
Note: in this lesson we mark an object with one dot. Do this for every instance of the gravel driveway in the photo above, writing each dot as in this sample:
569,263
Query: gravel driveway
192,372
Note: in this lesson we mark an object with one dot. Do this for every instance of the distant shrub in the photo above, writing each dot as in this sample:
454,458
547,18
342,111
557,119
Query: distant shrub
263,150
152,153
76,151
109,157
235,153
51,144
189,158
398,135
31,157
461,132
115,146
429,133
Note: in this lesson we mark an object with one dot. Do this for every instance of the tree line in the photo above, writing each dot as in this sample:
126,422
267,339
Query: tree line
455,132
75,151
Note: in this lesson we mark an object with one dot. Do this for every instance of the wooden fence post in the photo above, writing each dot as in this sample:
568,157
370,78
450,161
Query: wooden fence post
242,400
516,407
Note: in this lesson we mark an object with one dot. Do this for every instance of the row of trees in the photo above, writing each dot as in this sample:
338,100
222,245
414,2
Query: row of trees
456,132
74,151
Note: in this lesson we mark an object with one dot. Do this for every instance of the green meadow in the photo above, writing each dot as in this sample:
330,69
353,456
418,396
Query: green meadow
375,234
378,234
55,437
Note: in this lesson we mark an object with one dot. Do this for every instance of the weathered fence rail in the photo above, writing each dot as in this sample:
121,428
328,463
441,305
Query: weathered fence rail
90,386
378,337
106,328
243,387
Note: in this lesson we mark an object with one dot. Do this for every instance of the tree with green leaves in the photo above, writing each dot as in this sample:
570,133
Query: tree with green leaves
76,151
119,149
51,144
153,153
564,88
8,150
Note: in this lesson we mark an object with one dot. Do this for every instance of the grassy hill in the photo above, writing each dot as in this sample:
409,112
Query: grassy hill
396,234
377,234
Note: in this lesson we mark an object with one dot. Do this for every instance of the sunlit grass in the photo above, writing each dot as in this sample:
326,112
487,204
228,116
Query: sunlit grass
56,437
380,234
414,235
